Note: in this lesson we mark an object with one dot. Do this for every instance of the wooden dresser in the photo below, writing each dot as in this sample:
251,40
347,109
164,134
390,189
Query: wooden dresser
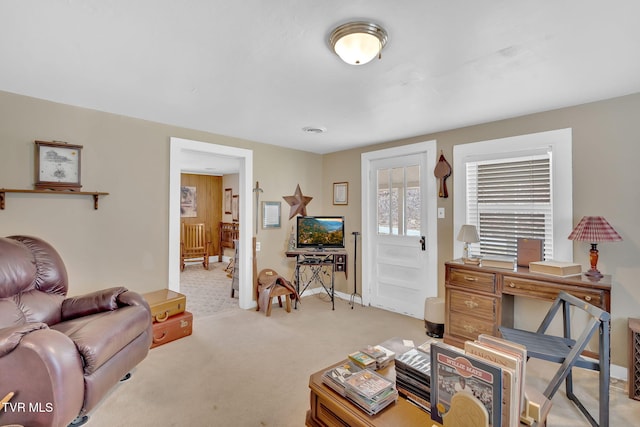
478,300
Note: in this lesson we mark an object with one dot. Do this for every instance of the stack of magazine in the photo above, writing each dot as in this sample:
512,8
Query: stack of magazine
336,378
362,359
413,375
383,356
368,390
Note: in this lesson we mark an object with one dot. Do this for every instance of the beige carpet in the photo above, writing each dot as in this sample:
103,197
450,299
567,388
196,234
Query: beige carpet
240,368
207,291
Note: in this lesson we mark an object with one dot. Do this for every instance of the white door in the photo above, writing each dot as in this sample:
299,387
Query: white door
400,230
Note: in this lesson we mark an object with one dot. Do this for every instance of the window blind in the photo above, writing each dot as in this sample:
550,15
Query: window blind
509,199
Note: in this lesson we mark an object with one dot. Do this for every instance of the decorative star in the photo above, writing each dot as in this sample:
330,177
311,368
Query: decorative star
298,203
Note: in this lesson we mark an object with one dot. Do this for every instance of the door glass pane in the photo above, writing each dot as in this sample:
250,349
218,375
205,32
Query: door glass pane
399,201
383,201
413,201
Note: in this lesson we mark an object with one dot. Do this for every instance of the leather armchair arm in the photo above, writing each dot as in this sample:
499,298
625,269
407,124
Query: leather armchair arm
44,369
11,337
133,298
95,302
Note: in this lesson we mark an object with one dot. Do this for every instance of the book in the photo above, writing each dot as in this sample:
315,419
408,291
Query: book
455,372
362,359
414,398
507,263
336,377
374,352
510,379
518,351
416,364
555,268
383,355
367,383
370,391
529,250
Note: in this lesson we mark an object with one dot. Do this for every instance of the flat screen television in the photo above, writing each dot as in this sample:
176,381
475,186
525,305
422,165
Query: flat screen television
320,232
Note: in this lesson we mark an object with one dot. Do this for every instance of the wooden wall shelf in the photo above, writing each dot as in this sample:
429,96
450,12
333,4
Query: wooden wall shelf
95,194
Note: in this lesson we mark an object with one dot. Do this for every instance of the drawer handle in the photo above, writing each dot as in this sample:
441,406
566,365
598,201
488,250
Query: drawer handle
587,297
469,328
512,285
471,304
470,279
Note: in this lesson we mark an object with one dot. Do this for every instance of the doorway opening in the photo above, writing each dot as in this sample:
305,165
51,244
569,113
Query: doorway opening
181,150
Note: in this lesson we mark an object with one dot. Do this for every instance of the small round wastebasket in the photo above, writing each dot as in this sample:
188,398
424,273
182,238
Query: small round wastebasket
434,316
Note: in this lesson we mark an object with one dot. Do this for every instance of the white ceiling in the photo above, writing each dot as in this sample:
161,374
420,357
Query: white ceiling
262,70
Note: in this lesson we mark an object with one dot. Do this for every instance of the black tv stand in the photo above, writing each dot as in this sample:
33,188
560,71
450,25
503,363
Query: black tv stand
313,266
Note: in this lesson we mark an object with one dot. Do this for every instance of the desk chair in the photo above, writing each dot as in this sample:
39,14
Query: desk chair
567,351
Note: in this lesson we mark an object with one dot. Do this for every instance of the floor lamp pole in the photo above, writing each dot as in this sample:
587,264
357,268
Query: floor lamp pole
355,272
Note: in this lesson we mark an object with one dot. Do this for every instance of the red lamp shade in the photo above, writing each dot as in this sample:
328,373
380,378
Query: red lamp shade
594,229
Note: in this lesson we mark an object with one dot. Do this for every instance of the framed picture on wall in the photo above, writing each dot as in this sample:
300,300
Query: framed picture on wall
235,208
188,208
270,214
340,193
228,193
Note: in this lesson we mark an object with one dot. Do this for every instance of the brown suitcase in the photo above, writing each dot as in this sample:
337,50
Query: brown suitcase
176,327
165,303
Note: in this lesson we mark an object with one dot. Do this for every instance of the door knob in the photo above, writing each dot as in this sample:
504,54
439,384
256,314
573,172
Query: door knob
423,242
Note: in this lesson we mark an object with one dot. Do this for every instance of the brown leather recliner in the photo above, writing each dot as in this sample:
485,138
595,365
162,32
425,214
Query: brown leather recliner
61,356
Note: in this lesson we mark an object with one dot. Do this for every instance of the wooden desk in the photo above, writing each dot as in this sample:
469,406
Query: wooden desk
479,300
315,262
328,408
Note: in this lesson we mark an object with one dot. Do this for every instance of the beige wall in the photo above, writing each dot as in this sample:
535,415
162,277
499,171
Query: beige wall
126,241
606,181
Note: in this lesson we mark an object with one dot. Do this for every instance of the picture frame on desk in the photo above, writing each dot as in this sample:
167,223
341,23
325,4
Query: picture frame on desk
529,250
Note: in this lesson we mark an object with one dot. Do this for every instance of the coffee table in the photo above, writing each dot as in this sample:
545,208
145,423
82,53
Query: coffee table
328,408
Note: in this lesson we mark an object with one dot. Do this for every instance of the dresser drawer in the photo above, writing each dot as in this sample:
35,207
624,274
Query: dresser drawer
472,304
475,280
469,327
549,291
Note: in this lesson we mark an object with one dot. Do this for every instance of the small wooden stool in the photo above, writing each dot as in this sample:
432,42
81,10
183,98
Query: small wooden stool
269,285
279,291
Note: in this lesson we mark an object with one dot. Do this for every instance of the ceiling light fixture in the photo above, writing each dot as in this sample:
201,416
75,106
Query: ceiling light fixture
357,43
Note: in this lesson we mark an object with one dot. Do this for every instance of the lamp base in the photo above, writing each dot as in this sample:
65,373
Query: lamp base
593,273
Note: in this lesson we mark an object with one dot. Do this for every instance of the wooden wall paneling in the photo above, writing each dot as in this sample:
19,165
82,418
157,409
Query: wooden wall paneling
208,205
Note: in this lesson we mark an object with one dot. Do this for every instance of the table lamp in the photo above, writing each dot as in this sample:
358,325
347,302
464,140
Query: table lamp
594,229
468,234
